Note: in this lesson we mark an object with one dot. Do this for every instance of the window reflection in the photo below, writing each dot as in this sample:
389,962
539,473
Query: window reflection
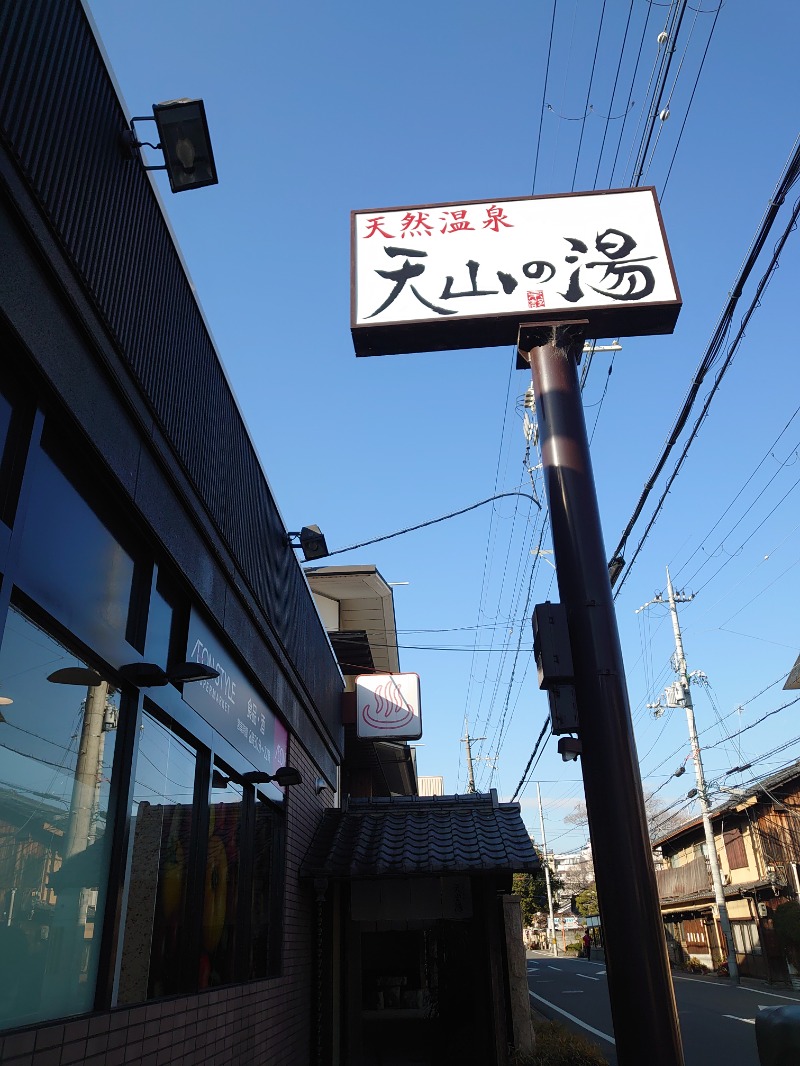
70,562
155,945
56,753
221,889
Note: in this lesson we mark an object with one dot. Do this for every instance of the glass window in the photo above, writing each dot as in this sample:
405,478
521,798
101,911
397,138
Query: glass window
166,626
156,940
5,423
15,425
221,888
56,753
159,629
69,561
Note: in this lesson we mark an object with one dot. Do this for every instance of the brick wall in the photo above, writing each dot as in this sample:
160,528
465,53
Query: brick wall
263,1023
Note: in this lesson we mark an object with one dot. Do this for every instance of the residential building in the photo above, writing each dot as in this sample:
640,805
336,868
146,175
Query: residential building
420,941
757,838
575,871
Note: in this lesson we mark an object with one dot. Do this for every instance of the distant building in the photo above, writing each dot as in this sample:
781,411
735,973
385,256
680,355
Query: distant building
575,870
431,786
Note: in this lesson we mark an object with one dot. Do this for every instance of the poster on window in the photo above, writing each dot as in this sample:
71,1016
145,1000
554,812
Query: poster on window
466,275
388,707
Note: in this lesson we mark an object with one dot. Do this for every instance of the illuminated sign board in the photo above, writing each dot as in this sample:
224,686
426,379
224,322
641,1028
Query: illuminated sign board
466,275
388,707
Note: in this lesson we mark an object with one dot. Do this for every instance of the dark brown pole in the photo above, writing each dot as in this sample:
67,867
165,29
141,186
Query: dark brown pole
639,983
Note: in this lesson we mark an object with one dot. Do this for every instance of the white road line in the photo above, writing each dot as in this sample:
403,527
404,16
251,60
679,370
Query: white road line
586,977
556,968
571,991
572,1018
775,995
750,1021
601,973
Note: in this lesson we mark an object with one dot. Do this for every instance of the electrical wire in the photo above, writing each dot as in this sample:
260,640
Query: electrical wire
588,93
544,98
734,347
433,521
788,178
613,95
737,497
518,789
691,98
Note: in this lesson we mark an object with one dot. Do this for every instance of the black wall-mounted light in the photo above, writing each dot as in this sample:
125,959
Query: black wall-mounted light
283,776
184,140
569,748
311,541
150,675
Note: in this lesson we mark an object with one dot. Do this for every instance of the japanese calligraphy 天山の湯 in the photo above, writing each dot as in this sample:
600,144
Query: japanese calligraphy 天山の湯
466,275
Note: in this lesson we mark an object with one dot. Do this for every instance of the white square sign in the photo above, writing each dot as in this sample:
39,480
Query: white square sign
388,707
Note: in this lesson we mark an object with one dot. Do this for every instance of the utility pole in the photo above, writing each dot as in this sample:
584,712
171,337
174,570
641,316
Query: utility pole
681,695
640,988
551,929
467,740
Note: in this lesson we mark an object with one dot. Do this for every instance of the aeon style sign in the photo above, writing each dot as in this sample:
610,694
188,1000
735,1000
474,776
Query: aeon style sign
388,707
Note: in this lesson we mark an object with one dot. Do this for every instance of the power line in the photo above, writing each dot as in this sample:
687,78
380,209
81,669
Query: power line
518,789
788,178
588,94
691,97
433,521
755,303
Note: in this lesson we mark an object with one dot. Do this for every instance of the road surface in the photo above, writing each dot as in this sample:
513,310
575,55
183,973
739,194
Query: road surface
717,1019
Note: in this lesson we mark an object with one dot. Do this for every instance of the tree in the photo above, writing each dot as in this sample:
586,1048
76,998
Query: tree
786,922
532,892
659,821
586,901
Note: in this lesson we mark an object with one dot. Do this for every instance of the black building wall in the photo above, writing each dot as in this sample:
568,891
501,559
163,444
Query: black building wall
98,222
112,375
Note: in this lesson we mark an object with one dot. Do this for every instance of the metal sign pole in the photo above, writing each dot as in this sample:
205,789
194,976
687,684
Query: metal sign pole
639,982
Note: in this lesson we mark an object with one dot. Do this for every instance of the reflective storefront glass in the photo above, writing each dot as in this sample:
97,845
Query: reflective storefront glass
56,752
154,958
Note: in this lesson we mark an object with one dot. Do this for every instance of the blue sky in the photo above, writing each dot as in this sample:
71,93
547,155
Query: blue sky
319,109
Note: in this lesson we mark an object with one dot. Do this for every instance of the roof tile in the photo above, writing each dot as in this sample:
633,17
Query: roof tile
400,835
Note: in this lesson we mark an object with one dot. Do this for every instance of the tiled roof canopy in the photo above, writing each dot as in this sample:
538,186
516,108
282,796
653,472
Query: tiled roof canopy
421,835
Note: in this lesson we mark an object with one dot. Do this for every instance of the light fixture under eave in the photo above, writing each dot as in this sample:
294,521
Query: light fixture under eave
184,140
5,701
150,675
311,543
75,675
283,776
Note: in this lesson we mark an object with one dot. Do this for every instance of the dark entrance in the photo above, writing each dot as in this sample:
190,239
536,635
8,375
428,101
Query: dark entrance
424,997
